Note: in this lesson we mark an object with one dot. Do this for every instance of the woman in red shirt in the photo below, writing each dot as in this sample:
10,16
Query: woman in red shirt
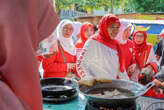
143,53
62,63
145,59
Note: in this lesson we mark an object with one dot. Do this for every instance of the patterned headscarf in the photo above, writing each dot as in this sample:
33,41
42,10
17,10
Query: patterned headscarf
104,38
138,49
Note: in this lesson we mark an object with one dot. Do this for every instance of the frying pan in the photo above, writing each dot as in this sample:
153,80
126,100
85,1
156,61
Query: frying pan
130,89
58,89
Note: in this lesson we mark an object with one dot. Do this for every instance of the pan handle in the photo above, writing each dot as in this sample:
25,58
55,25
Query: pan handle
77,79
74,80
143,91
149,86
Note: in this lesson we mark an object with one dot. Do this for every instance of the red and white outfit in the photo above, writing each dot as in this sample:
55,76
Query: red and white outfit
55,65
80,43
126,45
144,56
101,56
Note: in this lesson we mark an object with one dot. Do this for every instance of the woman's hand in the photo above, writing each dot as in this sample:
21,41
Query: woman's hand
150,67
131,69
48,55
71,66
158,83
162,84
146,75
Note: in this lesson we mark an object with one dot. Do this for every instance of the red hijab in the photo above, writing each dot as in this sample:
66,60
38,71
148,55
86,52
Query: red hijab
83,29
83,39
104,38
140,49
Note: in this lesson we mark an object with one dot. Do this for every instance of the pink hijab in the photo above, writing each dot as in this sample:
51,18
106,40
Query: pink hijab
23,24
123,27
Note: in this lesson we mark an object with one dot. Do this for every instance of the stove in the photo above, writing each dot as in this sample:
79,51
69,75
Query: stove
92,106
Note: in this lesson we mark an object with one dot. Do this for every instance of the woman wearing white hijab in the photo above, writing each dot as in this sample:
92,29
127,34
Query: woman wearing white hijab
126,46
49,45
62,63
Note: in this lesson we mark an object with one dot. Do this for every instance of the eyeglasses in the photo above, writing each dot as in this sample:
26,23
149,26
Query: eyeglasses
67,29
139,35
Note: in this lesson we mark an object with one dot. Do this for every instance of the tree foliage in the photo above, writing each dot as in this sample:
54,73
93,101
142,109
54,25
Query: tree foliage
99,4
89,5
63,4
144,6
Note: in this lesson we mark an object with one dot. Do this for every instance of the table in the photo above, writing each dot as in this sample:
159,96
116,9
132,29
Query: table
80,102
76,104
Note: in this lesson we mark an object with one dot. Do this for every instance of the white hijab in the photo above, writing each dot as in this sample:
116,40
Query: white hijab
77,28
66,43
124,25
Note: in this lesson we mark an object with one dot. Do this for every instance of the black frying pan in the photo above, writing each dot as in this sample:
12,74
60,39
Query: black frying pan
58,89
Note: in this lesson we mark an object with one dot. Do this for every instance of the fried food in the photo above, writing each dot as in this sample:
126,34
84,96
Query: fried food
86,82
103,80
92,81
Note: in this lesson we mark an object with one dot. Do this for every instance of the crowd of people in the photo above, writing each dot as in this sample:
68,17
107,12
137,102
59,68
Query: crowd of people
107,53
71,49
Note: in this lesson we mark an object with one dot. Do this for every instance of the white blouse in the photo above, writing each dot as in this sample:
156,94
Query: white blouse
99,61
